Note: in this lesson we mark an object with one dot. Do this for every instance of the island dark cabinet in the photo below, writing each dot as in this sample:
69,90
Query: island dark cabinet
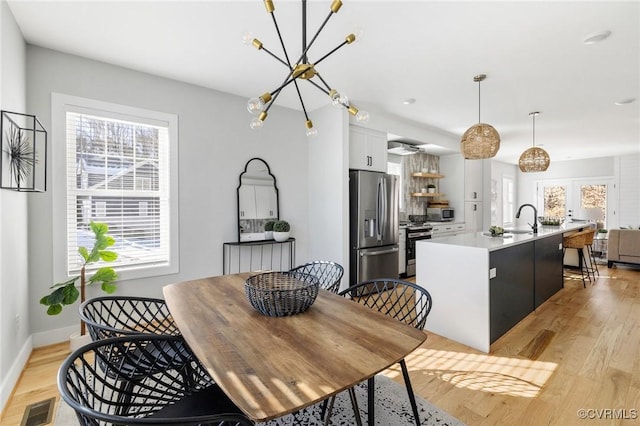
482,286
548,268
511,290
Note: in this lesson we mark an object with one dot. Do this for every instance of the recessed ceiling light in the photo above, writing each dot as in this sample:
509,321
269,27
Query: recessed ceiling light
409,101
597,37
625,101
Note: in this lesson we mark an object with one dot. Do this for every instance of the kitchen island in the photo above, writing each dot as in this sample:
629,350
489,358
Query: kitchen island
482,286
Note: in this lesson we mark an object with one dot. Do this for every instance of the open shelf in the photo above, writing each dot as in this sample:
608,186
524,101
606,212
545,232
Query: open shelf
427,175
426,194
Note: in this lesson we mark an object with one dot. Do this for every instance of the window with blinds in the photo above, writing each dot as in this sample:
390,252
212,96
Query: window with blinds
118,173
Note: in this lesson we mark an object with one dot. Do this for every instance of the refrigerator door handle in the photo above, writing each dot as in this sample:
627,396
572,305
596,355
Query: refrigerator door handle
379,252
379,211
385,219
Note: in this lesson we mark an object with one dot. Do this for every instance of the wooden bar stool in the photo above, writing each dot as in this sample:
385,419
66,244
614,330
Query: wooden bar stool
577,241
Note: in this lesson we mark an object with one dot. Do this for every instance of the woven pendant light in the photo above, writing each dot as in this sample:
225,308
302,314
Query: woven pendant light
481,140
534,159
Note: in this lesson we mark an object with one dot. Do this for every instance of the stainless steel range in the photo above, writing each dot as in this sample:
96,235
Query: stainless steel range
417,230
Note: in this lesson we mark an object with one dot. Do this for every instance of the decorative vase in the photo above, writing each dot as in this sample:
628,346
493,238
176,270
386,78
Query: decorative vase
281,236
431,190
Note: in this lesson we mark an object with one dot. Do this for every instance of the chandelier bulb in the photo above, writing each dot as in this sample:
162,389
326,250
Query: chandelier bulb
255,105
339,99
256,123
311,131
362,116
247,38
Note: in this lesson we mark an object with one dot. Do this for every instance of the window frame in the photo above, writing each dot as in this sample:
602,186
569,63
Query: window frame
60,105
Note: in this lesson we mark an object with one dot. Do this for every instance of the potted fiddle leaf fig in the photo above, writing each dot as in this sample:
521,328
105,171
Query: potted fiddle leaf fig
281,230
66,293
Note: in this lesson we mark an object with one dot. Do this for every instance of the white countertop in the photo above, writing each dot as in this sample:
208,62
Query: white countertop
479,240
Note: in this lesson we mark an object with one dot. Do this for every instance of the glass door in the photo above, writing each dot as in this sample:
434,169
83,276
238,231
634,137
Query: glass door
580,199
591,200
553,199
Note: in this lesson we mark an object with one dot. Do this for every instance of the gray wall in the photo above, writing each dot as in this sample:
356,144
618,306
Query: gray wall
215,142
14,306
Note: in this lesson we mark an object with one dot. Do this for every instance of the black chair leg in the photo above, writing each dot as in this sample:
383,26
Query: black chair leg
354,404
412,397
582,265
327,406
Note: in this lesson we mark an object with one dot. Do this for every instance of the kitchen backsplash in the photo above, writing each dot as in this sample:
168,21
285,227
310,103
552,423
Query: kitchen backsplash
413,164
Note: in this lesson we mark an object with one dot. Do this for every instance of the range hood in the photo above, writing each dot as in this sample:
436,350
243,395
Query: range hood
402,148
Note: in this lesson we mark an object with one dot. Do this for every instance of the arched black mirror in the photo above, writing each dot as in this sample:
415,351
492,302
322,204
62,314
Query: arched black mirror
257,200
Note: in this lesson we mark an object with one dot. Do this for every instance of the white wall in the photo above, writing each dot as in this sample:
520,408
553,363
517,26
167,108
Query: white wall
215,142
14,305
328,194
628,168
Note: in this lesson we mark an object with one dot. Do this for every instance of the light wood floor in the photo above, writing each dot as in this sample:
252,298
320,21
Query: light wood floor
580,350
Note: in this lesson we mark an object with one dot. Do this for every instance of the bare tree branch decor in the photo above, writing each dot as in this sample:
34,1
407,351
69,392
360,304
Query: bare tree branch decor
21,155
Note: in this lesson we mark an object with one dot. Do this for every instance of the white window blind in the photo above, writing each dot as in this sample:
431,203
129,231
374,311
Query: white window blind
118,173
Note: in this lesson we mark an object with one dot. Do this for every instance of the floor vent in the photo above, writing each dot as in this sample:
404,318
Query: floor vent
39,413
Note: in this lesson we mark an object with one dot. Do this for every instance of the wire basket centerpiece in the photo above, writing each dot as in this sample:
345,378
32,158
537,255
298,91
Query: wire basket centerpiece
279,294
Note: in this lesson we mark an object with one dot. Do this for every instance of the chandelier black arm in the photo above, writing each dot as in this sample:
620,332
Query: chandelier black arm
288,63
318,86
304,53
286,55
290,79
276,57
328,54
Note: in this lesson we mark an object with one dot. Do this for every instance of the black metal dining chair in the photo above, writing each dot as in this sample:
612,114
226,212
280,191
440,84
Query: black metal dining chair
328,273
113,316
120,316
405,301
94,383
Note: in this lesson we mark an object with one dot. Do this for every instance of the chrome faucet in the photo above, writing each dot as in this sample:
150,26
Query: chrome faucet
535,217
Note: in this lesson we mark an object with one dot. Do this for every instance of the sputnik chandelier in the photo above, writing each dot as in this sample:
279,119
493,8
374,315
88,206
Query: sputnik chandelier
302,69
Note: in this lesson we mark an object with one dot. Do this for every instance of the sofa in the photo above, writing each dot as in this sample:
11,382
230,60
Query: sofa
623,246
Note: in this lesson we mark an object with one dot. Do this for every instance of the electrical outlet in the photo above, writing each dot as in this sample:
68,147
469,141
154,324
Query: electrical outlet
492,273
17,323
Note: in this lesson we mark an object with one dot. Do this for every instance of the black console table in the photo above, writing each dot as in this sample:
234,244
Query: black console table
261,255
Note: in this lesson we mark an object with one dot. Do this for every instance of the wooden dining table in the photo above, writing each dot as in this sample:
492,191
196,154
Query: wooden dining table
273,366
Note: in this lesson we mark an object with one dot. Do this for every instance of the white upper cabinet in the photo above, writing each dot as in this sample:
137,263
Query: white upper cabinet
266,207
247,201
258,202
367,149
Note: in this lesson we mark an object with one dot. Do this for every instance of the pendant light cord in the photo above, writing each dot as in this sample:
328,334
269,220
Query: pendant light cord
534,130
479,101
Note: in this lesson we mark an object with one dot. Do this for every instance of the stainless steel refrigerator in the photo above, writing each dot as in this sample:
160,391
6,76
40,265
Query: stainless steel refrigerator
373,224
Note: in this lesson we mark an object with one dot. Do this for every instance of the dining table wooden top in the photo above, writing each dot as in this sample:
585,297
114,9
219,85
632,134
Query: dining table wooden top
273,366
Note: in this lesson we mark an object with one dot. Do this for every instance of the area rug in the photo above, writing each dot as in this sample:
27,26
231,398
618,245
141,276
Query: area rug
392,409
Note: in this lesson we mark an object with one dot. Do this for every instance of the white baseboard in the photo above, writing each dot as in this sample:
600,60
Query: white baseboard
36,340
12,376
51,337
